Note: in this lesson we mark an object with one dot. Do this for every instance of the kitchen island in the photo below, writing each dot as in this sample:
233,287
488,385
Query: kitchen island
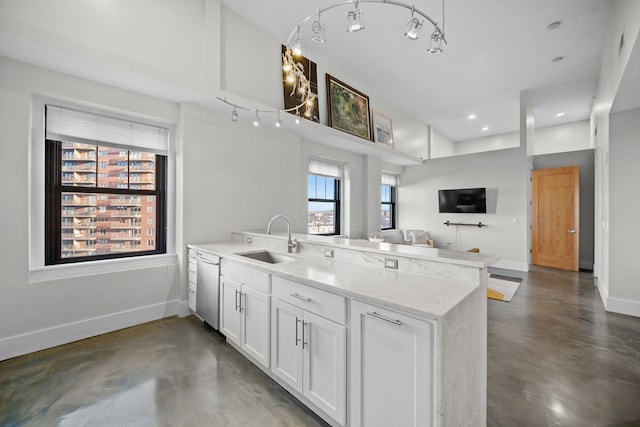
359,343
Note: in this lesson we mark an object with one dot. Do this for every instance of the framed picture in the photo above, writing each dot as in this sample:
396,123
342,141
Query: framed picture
382,129
299,76
348,109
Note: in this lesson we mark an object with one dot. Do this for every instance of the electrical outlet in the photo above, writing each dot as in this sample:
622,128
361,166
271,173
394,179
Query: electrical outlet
249,240
328,253
391,263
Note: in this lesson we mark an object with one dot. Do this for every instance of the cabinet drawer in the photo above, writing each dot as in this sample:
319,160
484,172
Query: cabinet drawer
192,272
258,280
322,303
192,295
191,255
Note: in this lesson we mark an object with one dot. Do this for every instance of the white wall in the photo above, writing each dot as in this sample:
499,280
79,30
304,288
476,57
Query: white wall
25,307
489,143
562,138
624,277
505,175
440,145
175,42
624,17
237,176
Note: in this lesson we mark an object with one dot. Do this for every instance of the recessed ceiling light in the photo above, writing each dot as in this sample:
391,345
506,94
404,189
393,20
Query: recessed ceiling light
485,128
561,114
471,116
557,59
554,25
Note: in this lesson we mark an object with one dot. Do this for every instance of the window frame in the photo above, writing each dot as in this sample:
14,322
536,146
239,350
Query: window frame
336,201
392,206
38,271
54,190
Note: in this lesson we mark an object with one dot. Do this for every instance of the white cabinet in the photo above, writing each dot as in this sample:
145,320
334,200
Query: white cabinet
230,315
308,351
392,379
244,310
192,273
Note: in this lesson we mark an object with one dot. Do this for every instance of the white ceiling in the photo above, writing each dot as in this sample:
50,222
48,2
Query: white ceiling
496,49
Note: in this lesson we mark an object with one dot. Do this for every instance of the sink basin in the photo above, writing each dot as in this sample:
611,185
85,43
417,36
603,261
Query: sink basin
266,256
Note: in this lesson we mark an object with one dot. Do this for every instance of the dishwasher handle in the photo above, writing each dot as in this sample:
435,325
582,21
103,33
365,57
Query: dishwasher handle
208,259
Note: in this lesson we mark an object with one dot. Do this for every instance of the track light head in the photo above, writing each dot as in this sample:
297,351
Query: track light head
256,120
318,30
355,20
234,115
413,28
297,44
435,42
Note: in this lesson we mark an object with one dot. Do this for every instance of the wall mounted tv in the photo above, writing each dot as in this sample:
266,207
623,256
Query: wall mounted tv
464,200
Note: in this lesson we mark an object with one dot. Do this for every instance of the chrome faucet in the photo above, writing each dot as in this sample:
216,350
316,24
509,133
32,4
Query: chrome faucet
291,245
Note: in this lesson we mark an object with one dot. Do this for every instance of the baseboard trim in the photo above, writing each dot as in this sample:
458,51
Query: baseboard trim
511,265
617,305
623,306
22,344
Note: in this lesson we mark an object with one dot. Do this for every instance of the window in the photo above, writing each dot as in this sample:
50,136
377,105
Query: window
94,216
324,197
388,211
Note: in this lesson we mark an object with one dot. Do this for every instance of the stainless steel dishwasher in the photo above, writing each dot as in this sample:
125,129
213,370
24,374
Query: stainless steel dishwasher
208,293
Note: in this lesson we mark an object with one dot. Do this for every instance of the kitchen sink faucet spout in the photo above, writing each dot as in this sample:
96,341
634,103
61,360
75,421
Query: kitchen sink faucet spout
291,245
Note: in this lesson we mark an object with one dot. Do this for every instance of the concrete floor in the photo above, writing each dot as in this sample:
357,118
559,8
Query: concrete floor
555,358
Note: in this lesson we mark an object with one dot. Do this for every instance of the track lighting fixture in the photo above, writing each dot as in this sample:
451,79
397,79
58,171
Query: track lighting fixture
318,30
293,69
355,20
296,48
307,102
435,42
413,26
355,23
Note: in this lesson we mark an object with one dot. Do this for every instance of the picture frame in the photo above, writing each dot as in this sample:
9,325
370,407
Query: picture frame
382,129
305,78
348,109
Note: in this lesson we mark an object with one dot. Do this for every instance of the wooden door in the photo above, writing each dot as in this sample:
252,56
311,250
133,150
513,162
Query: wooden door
556,217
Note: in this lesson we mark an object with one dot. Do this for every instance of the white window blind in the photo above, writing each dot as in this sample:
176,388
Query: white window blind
78,126
324,168
391,180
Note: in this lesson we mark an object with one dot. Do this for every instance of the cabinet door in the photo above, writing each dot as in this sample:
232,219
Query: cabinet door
392,360
230,316
286,343
255,324
324,361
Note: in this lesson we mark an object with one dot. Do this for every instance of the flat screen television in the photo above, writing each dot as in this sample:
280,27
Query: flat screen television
464,200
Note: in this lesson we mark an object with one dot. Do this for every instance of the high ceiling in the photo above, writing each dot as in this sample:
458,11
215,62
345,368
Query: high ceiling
495,50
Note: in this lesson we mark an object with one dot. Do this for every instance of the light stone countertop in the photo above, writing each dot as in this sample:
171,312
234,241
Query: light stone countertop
445,256
410,293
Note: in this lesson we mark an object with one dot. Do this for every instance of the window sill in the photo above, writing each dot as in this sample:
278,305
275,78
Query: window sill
92,268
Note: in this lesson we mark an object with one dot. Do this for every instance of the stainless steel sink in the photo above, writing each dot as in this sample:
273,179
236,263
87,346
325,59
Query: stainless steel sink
266,256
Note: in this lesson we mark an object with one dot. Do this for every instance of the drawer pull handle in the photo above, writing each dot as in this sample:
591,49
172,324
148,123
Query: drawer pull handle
300,297
386,319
